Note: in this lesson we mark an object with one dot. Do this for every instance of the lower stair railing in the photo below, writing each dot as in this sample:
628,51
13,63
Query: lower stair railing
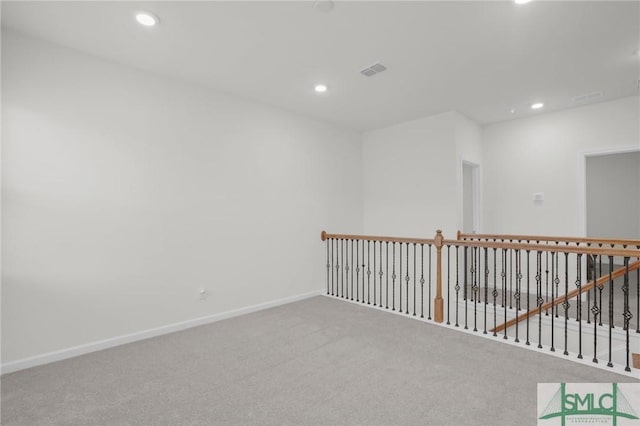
545,296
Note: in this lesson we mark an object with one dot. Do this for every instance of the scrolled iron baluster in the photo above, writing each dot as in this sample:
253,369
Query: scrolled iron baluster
610,363
553,271
387,278
579,302
374,273
627,313
400,280
539,298
595,310
380,274
369,272
495,291
421,280
357,272
517,293
406,278
393,277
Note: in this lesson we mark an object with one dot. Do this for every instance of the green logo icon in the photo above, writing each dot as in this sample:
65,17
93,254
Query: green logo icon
565,404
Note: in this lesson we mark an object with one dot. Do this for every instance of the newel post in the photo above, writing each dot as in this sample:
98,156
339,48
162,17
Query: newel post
438,303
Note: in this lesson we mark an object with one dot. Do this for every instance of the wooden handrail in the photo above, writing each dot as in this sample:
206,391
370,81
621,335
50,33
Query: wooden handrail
573,293
631,253
539,238
324,236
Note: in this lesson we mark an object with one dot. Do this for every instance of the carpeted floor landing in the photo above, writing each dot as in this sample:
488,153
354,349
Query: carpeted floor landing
320,361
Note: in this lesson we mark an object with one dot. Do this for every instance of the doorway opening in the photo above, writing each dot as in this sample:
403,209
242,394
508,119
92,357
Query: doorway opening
470,197
613,195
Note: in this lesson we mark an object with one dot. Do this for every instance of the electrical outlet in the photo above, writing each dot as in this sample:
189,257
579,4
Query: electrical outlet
202,293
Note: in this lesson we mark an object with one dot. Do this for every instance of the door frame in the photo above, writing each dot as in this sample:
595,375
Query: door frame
477,195
582,179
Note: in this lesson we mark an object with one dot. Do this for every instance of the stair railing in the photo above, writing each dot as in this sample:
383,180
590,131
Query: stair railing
482,284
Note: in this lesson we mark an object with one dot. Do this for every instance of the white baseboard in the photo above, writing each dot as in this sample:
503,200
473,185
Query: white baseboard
74,351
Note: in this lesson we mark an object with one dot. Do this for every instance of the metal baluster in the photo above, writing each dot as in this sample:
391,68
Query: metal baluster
589,278
387,278
486,286
504,286
369,272
406,278
328,266
448,282
579,302
510,278
363,272
380,275
528,296
495,291
595,310
352,269
400,281
539,298
414,279
393,283
566,304
421,280
600,287
503,276
374,273
610,364
334,287
546,282
357,272
556,281
342,268
627,314
517,294
465,288
553,270
474,275
457,287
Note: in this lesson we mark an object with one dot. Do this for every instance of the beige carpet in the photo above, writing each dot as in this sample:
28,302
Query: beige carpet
318,361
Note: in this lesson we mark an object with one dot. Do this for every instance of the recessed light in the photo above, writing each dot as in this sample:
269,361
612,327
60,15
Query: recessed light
320,88
147,19
323,5
521,1
537,105
512,111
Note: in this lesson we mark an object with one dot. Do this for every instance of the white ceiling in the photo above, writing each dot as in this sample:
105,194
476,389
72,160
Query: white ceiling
479,58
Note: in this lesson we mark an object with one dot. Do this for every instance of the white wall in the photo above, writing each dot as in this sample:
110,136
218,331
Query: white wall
124,192
545,153
613,195
409,180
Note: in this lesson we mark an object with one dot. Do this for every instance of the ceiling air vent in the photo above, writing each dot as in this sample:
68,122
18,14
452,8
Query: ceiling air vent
588,97
373,70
